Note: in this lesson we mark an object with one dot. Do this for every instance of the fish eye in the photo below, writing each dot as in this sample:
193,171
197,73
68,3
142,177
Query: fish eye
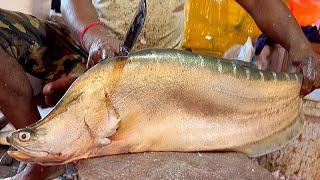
24,136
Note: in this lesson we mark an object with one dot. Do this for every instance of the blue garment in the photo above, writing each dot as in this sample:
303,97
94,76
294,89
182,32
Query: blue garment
311,32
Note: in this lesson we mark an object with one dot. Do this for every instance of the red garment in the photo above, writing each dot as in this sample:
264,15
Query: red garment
306,12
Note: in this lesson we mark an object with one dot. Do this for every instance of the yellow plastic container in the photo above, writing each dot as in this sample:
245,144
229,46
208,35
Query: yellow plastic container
213,26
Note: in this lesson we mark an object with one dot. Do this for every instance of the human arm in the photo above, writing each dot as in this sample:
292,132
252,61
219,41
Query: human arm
275,20
77,15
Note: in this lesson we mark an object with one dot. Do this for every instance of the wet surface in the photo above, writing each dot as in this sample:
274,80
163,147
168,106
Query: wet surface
173,166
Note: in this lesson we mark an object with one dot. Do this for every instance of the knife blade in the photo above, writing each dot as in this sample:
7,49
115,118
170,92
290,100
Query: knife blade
134,29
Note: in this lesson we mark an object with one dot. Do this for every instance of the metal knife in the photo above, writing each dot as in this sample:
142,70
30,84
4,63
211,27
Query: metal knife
134,29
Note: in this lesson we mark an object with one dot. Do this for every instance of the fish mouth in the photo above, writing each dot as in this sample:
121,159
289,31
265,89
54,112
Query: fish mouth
39,157
19,155
25,154
44,159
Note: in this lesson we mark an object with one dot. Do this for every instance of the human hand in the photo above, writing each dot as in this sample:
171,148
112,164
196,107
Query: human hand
100,45
305,60
102,48
53,91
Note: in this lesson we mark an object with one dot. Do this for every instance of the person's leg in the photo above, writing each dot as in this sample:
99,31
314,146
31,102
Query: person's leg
40,48
43,50
16,98
16,93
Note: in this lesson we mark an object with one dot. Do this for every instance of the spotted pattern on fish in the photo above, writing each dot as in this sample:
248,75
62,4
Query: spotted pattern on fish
274,76
220,68
234,66
247,73
262,76
287,76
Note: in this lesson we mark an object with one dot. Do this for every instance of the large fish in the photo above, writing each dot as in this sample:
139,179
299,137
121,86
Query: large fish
165,100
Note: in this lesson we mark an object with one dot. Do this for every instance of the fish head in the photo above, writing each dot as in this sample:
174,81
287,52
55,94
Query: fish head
80,123
31,146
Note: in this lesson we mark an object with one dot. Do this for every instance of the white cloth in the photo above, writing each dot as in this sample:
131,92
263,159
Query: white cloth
246,51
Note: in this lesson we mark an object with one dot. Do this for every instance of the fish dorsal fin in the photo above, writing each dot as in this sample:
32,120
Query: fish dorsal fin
275,141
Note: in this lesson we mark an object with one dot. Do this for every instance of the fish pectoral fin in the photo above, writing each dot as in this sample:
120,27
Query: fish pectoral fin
111,123
275,141
130,121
